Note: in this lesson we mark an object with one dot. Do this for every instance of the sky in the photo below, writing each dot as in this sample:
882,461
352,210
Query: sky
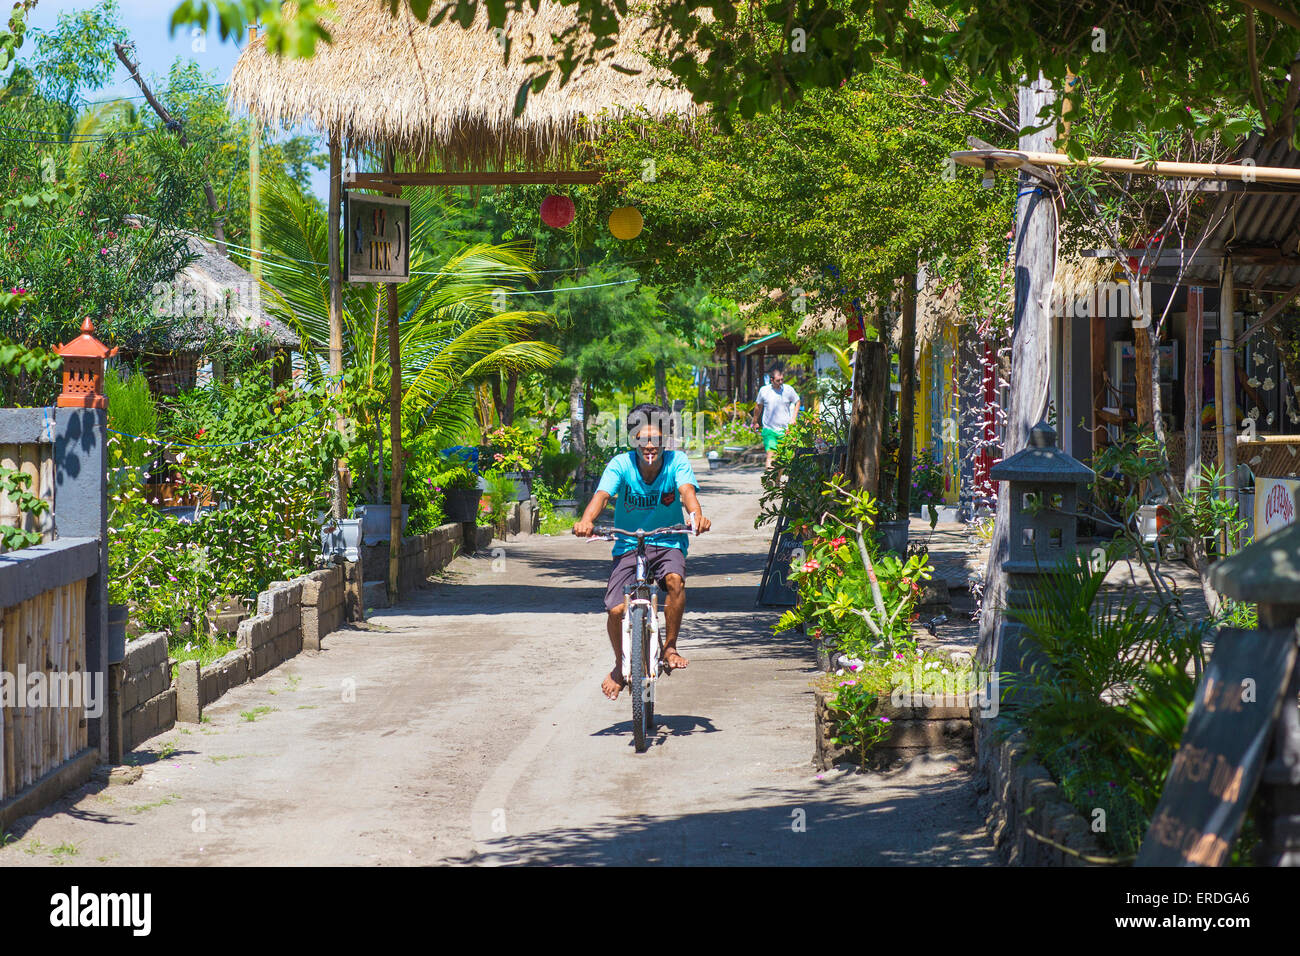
147,21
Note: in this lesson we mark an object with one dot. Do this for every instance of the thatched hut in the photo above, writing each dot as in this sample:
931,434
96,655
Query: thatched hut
444,93
209,301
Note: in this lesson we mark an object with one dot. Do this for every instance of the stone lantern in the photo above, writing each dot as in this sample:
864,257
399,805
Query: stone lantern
83,370
1043,495
1267,574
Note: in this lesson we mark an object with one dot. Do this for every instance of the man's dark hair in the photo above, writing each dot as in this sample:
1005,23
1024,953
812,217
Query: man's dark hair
648,413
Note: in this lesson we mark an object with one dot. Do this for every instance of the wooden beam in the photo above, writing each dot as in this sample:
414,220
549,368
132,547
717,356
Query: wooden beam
974,142
1272,311
1193,388
566,177
1016,159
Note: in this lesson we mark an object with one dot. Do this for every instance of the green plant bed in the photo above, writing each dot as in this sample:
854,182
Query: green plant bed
884,709
205,649
557,524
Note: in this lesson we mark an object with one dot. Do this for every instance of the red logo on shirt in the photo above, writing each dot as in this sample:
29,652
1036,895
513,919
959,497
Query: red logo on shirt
668,497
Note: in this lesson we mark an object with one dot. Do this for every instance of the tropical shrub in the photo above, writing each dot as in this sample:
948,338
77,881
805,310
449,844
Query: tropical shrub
851,595
1106,694
510,448
262,455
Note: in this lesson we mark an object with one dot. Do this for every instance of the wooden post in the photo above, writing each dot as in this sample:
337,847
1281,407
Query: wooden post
1097,346
1145,366
906,395
1228,382
1193,387
332,212
394,425
1035,251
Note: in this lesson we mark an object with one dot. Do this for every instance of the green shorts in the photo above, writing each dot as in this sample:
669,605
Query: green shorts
771,437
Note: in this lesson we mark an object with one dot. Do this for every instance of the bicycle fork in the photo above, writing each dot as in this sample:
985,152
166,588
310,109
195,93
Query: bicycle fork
654,644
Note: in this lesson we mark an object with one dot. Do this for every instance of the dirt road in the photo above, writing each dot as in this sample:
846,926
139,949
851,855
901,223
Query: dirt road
467,726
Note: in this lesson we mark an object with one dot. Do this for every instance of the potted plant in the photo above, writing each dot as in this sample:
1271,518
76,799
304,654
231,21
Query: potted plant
513,453
461,493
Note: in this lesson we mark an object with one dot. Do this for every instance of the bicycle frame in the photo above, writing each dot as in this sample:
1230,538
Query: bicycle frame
640,593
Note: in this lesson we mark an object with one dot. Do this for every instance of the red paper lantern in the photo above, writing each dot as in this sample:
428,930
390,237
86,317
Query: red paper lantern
558,211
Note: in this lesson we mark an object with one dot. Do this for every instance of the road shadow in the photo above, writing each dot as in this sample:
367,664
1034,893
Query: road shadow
932,823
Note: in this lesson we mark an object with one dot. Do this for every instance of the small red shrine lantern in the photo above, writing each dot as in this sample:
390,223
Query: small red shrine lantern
83,370
558,211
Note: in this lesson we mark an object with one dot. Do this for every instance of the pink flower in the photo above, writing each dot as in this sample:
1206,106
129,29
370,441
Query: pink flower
103,252
103,175
837,542
811,566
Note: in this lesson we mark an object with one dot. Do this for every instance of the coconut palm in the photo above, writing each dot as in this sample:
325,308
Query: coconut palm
453,329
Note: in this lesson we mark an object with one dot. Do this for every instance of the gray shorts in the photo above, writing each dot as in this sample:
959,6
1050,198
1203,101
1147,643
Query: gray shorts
659,563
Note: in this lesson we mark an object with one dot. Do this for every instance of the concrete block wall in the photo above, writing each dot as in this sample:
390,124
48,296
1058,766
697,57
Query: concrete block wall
274,633
422,556
146,700
322,605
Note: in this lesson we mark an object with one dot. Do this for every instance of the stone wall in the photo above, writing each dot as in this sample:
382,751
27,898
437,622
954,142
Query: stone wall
915,730
1029,819
142,701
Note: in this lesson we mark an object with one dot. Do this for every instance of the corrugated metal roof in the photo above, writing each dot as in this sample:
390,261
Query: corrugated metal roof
1269,219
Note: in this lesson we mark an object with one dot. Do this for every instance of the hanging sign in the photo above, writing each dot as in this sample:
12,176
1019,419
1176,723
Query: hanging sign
377,231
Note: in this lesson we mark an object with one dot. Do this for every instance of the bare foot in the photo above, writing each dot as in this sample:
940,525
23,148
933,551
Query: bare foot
674,660
612,684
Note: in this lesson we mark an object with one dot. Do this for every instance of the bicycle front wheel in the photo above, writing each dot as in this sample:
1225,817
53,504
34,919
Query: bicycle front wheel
643,706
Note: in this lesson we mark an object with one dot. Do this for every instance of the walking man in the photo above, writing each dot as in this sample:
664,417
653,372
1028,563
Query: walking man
780,407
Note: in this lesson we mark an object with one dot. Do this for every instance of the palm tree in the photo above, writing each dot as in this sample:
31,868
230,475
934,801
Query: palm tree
453,327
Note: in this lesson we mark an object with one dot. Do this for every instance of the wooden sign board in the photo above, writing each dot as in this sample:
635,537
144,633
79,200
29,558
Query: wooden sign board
376,234
1222,751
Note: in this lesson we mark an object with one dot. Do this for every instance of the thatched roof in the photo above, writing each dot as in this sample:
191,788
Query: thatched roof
444,91
214,294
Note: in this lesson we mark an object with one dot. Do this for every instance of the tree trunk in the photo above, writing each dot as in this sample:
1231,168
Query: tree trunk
497,402
577,433
512,385
1193,388
906,395
866,429
661,382
1035,251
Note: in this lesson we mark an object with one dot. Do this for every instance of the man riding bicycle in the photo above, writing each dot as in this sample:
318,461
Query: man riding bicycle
650,487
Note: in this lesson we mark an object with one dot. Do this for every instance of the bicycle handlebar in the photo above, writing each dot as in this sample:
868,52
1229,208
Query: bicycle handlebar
641,533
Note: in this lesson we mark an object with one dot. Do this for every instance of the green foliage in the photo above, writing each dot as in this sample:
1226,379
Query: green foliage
268,493
16,486
844,190
500,492
857,724
851,595
131,411
1106,694
927,484
76,57
511,448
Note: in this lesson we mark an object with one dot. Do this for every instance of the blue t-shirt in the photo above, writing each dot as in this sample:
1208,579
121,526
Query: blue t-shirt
657,505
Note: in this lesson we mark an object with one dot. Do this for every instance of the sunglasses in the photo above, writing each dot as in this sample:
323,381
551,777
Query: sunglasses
641,442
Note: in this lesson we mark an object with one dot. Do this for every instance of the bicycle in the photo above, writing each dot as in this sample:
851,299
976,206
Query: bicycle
642,631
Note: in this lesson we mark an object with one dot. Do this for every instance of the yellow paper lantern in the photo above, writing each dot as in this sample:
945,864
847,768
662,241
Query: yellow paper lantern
625,223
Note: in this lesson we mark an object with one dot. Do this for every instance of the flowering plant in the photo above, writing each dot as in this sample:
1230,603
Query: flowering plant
510,448
927,484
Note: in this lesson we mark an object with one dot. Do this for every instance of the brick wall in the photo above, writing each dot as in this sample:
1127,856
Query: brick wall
322,605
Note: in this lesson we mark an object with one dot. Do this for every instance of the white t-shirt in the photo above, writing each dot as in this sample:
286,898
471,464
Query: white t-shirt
778,407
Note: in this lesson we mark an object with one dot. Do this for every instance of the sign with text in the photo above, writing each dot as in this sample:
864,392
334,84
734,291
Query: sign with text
1274,504
1223,749
377,231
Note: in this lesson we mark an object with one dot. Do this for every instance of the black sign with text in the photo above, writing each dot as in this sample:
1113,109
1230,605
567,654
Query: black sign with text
377,232
1222,751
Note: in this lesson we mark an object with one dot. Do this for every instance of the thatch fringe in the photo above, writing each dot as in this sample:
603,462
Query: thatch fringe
444,91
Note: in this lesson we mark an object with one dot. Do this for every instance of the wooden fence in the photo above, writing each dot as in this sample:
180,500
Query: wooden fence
43,646
36,460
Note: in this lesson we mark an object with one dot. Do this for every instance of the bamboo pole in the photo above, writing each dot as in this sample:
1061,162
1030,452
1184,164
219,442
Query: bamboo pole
394,425
332,213
1012,159
1193,387
1228,382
